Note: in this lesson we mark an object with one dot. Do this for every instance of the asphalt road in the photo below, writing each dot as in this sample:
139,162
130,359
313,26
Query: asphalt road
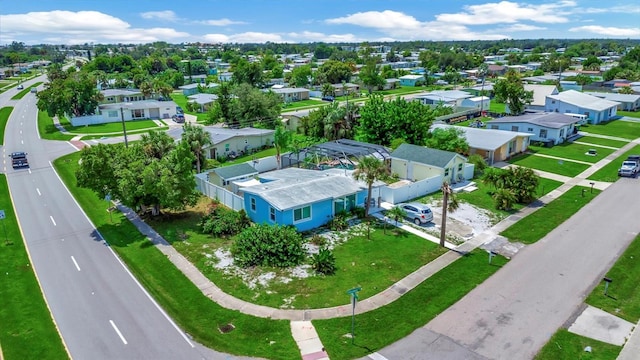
515,312
100,309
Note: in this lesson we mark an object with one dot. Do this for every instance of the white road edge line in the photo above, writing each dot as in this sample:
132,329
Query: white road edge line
118,332
75,262
376,356
38,190
166,316
53,221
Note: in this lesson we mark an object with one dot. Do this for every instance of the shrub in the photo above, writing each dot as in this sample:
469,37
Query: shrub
318,240
339,222
222,221
324,262
479,164
358,212
268,245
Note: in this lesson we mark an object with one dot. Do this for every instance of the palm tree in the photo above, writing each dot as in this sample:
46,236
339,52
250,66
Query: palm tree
369,170
198,139
450,203
156,144
281,140
396,213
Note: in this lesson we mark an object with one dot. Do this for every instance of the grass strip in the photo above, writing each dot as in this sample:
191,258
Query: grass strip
388,324
5,112
560,167
28,330
25,91
624,293
564,345
196,314
48,130
538,224
609,172
618,128
602,141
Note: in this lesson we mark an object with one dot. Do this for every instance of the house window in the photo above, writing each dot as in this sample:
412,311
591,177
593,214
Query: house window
530,129
272,214
543,133
112,114
302,214
137,113
460,167
226,147
446,172
562,133
495,127
514,128
253,204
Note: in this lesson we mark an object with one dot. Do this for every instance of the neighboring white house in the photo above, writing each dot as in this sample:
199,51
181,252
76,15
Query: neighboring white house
540,93
231,142
445,97
546,127
628,102
204,101
596,109
477,102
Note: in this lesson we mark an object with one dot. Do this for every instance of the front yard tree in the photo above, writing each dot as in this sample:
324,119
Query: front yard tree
76,95
253,106
448,139
449,203
370,76
370,169
156,144
197,138
97,170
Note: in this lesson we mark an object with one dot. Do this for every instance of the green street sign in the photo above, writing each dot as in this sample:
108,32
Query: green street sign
2,215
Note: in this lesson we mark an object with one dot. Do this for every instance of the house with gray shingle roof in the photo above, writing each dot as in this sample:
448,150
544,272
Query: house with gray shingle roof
547,127
413,162
223,176
228,143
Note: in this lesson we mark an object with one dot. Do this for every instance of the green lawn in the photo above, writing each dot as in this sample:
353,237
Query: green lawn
383,326
609,172
181,100
624,293
48,130
25,91
602,141
497,107
634,114
302,103
569,150
260,154
375,264
538,224
114,128
5,112
193,312
560,167
27,331
564,345
618,128
482,198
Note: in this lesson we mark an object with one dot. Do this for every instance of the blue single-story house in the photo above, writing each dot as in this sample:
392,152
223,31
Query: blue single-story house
303,198
596,109
410,80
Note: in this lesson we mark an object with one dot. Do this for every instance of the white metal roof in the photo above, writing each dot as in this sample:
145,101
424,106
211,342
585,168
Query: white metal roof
583,100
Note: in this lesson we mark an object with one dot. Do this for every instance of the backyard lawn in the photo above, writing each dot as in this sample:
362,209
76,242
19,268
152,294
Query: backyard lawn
560,167
618,128
609,172
572,151
535,226
564,345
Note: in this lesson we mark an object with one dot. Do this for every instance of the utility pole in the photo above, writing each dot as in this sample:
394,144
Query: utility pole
124,128
446,190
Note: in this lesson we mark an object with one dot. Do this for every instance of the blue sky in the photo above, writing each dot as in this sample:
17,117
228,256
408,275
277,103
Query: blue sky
301,21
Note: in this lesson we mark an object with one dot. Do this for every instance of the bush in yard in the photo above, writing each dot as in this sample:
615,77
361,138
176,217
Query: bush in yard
339,222
504,198
358,212
479,164
222,221
318,240
268,245
324,262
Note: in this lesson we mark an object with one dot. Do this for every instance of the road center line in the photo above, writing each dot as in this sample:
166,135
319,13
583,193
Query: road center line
38,190
118,332
53,221
75,262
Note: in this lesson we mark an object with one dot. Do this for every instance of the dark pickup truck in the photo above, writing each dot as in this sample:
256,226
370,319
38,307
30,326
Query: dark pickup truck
19,160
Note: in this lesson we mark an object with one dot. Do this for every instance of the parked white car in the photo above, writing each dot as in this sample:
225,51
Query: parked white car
418,213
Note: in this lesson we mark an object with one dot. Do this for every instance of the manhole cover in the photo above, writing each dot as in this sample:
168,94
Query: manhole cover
227,328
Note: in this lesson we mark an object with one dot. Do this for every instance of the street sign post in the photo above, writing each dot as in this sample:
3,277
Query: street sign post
4,227
354,299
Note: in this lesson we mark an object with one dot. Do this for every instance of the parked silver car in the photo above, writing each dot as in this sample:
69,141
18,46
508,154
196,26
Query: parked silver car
419,213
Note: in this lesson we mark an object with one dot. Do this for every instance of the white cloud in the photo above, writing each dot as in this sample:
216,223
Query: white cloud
220,22
509,12
166,15
246,37
310,36
69,27
626,9
607,31
521,27
378,19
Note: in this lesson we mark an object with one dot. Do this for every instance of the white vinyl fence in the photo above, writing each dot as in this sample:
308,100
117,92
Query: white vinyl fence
215,192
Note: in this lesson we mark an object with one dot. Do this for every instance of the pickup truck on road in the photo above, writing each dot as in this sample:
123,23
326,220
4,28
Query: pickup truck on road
630,167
